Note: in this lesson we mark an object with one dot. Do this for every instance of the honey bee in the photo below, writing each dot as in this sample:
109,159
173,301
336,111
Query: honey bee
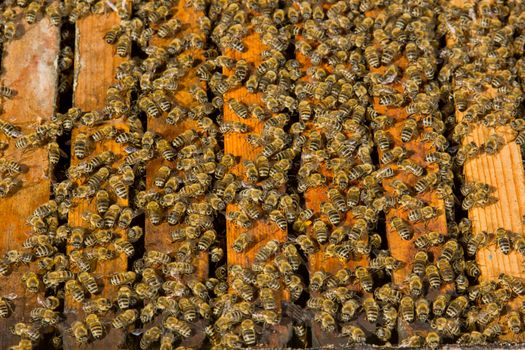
31,282
74,288
371,309
121,278
503,240
401,227
95,326
125,318
456,306
88,281
181,327
5,305
150,336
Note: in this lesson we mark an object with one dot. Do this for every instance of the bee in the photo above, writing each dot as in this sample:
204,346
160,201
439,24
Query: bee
383,140
353,196
80,332
123,45
125,297
406,309
371,309
124,246
515,284
238,108
242,242
402,228
181,327
514,322
330,210
278,218
306,244
118,186
169,28
415,285
492,330
5,305
493,144
26,331
425,183
31,282
95,326
450,250
395,154
154,212
457,306
121,278
503,240
433,277
365,278
125,318
270,248
150,336
89,282
74,288
420,214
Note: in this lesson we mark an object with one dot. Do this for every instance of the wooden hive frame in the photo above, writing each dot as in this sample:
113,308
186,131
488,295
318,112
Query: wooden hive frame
158,237
504,173
321,260
93,77
236,144
401,249
32,54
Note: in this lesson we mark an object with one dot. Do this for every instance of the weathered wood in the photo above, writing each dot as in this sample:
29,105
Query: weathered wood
29,68
157,237
263,230
95,66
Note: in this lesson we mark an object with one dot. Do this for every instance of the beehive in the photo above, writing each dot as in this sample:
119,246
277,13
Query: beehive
337,140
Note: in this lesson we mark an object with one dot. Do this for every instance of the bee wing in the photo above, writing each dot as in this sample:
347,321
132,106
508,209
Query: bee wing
138,331
297,312
111,5
11,296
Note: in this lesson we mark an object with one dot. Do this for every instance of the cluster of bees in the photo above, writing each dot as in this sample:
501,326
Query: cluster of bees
366,114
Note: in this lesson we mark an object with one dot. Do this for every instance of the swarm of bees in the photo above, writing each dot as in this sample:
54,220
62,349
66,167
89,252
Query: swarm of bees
355,100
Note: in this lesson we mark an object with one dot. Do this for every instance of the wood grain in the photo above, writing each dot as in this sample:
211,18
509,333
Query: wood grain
29,67
504,173
263,230
93,76
157,237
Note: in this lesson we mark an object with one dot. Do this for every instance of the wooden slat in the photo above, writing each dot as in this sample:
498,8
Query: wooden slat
502,171
95,66
405,250
157,237
28,67
314,197
263,230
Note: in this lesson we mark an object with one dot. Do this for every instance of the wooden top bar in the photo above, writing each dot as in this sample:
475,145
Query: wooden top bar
263,230
158,237
95,67
31,54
